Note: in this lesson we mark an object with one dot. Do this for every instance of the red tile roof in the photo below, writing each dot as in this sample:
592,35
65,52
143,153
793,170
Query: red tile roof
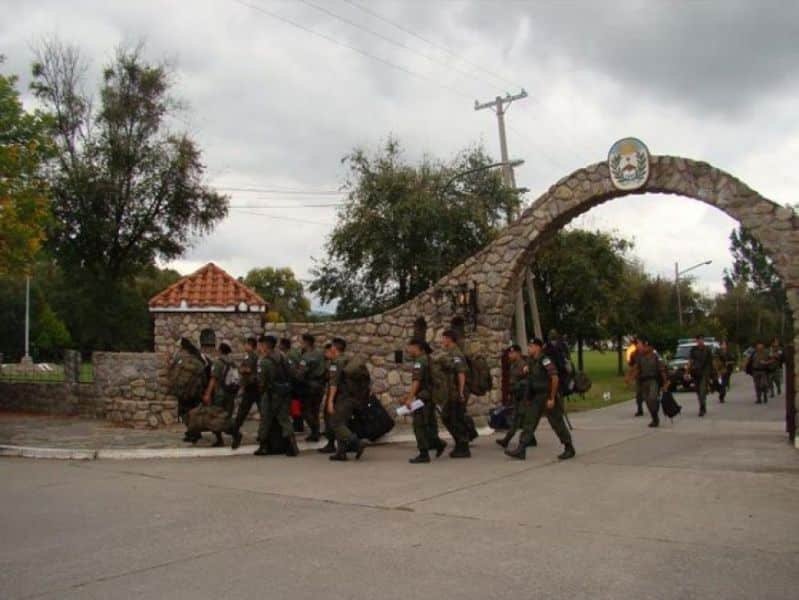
208,288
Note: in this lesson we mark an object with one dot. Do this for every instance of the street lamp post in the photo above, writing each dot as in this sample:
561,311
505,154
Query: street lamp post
677,274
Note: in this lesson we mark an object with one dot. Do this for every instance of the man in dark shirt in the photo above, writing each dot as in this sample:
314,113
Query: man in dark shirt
700,366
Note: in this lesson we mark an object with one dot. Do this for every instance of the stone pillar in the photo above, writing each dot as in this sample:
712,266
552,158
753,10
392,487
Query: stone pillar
72,362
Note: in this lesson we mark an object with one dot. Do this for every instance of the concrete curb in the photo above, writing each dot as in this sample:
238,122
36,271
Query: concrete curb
187,452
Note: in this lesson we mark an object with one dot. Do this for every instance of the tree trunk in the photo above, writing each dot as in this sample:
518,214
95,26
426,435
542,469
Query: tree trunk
580,354
620,352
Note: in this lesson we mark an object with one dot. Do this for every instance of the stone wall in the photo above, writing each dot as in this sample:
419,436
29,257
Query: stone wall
228,326
133,388
68,399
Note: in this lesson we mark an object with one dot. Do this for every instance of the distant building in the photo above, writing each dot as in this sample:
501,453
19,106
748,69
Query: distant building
208,307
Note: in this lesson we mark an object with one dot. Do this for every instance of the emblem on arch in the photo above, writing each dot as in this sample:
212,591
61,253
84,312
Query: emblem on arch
628,162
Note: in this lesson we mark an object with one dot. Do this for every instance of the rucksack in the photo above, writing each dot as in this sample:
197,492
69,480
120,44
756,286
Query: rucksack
371,421
582,383
187,377
231,380
749,369
357,379
564,367
478,377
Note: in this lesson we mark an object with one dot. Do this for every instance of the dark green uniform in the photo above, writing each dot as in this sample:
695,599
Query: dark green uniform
454,410
517,382
701,372
725,365
214,417
651,374
249,389
344,402
275,388
775,374
761,371
312,373
425,425
540,372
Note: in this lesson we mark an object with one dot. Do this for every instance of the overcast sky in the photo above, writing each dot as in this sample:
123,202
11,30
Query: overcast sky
277,99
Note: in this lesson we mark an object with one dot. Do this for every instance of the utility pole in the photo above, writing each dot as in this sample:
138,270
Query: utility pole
679,299
500,106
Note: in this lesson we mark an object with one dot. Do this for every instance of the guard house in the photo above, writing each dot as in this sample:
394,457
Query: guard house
208,307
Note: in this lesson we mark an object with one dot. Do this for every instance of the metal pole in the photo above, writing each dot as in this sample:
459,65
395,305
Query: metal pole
679,298
27,317
536,317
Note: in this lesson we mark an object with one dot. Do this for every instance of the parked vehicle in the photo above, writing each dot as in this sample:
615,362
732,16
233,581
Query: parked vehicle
680,379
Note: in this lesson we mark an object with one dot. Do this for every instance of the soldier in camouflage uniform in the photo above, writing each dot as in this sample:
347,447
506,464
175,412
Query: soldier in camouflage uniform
517,381
249,387
312,374
212,414
425,425
543,397
725,365
454,409
700,366
275,387
777,360
341,402
650,374
761,370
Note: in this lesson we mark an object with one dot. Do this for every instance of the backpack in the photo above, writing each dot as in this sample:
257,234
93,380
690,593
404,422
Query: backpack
478,377
187,377
748,369
670,407
231,379
582,383
371,421
564,367
357,380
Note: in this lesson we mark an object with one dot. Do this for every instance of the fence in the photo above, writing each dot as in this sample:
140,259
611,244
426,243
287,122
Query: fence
71,370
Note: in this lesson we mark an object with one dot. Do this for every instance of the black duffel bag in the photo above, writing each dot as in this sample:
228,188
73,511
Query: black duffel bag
371,421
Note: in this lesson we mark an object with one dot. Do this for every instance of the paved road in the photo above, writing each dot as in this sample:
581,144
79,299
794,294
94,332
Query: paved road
698,509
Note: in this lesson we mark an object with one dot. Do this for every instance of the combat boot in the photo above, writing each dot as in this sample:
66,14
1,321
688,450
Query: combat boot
442,445
533,442
568,452
655,422
504,441
328,448
341,452
292,449
521,449
261,451
461,451
424,457
313,436
236,439
360,446
219,441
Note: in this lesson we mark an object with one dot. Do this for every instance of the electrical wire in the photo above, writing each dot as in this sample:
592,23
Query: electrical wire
279,191
350,47
281,218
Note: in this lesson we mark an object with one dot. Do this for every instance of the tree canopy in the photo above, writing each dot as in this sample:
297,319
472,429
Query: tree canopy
280,288
405,225
24,203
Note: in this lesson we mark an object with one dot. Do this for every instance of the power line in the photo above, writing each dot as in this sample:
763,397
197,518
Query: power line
328,205
333,40
432,43
338,17
280,218
296,192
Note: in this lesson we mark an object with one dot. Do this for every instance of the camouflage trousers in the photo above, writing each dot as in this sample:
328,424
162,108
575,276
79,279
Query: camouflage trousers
453,416
534,409
425,427
275,407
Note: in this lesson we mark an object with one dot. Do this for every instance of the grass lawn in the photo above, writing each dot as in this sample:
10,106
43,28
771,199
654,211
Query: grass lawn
54,375
601,368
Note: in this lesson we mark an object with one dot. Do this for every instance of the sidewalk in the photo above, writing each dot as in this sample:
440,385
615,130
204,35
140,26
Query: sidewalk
42,436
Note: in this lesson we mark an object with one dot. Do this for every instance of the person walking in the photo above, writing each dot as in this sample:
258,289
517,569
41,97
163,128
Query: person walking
274,383
725,365
760,368
425,424
700,366
543,398
249,390
651,376
778,360
517,380
454,409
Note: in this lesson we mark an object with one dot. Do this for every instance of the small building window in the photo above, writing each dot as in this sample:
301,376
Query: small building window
207,338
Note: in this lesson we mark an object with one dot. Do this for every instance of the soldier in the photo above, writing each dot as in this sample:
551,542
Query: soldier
425,426
275,387
725,364
639,399
454,409
518,390
212,415
778,359
542,397
650,375
311,373
341,403
249,387
761,369
700,366
330,447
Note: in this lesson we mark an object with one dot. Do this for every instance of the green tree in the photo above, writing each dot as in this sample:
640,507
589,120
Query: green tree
25,146
578,278
404,226
126,189
280,288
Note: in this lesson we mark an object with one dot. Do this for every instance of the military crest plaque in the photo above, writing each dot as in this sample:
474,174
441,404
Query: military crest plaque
628,161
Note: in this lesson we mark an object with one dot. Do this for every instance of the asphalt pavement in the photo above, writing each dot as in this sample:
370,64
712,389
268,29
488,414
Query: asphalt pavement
700,508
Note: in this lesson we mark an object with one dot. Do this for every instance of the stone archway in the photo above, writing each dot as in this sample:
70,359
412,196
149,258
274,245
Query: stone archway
496,270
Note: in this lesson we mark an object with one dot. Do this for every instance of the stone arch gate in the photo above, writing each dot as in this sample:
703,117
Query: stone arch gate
496,271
